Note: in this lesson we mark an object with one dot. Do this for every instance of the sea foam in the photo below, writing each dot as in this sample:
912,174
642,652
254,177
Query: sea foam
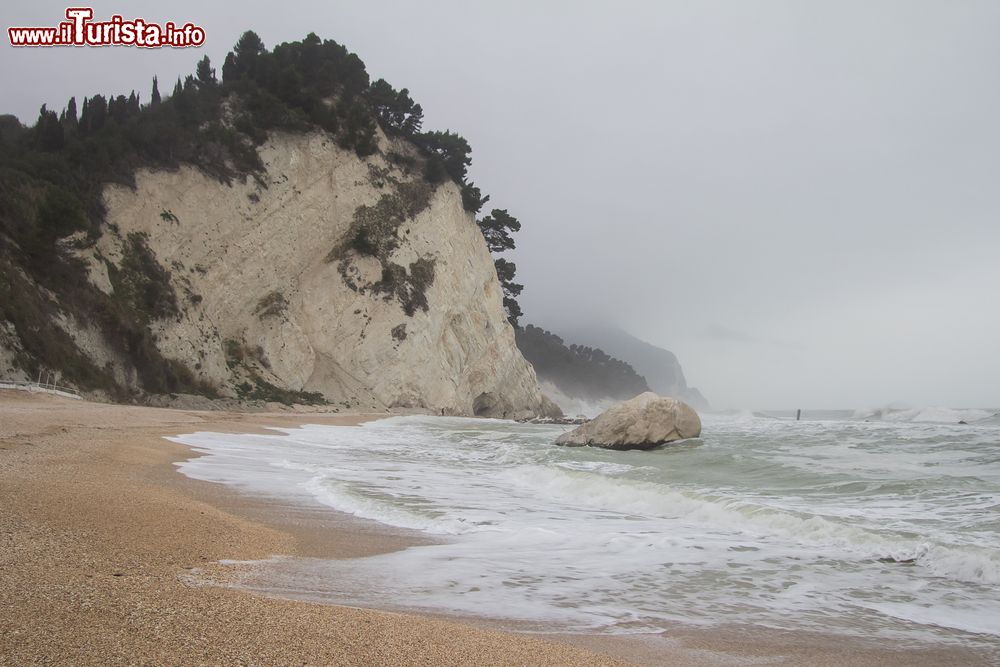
884,528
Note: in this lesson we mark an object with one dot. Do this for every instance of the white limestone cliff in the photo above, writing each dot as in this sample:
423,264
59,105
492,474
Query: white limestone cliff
268,289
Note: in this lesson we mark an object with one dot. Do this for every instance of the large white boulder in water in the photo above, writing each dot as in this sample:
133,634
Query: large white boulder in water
643,422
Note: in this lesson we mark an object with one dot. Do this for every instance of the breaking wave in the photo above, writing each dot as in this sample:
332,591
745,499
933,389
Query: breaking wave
884,528
937,415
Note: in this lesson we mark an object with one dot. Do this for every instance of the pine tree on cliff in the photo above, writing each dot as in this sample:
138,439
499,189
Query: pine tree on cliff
49,131
242,60
359,130
449,151
118,109
497,228
395,110
205,72
472,198
154,97
511,290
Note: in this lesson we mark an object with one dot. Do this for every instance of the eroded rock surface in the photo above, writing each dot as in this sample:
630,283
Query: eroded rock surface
644,422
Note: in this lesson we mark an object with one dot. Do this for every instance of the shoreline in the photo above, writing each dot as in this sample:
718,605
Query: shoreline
130,559
99,534
318,531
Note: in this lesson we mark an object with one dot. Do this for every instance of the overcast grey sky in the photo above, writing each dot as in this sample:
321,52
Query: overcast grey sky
800,199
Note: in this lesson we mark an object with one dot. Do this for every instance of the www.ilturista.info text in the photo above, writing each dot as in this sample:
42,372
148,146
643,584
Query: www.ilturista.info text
80,30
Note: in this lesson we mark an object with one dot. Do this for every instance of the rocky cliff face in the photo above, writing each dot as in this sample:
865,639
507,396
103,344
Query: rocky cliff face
327,273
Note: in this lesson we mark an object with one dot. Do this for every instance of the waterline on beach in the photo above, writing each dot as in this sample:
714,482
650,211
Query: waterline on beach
881,528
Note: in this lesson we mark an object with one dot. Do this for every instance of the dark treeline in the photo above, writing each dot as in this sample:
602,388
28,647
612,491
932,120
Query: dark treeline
52,177
577,370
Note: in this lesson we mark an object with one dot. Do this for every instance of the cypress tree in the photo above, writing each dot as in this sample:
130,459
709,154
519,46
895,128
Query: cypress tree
71,119
154,97
84,125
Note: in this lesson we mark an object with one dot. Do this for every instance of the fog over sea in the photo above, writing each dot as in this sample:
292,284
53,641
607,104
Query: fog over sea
878,523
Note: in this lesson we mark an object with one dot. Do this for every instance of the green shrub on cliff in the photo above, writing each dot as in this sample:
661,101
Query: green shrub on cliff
142,284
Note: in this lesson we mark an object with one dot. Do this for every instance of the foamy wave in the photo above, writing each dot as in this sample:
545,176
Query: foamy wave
939,415
602,467
341,498
979,621
970,564
807,525
960,563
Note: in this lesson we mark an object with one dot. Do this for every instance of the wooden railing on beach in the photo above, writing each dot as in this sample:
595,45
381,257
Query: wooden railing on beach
41,387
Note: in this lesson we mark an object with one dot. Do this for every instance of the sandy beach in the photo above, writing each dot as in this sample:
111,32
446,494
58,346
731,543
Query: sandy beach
98,534
103,543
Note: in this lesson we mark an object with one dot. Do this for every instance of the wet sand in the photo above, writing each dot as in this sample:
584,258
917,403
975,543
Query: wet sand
105,548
